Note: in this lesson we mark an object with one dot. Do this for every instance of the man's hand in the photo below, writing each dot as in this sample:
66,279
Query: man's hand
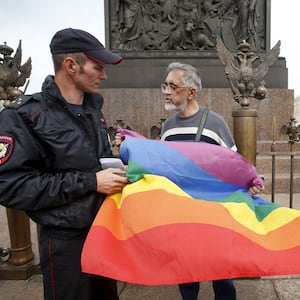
118,140
111,180
255,189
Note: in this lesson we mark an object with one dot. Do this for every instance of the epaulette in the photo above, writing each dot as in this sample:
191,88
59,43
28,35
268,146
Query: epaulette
24,99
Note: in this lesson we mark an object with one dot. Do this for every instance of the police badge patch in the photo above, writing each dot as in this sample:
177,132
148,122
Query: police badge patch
6,146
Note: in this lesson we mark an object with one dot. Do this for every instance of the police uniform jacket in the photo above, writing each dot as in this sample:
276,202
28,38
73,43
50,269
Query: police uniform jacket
49,157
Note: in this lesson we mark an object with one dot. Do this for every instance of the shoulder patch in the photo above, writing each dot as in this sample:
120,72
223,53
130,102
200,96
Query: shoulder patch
6,147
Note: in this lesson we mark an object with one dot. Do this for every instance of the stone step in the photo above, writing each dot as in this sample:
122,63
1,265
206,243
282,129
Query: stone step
266,146
282,163
282,182
283,150
282,172
283,199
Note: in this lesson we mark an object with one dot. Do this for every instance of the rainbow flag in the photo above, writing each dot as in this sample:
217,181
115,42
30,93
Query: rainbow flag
187,216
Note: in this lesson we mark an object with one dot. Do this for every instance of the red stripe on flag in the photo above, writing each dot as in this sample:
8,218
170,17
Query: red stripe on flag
156,257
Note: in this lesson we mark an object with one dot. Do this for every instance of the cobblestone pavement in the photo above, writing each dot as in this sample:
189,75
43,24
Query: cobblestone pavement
275,288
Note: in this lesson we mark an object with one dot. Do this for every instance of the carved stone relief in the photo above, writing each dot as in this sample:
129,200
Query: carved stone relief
141,25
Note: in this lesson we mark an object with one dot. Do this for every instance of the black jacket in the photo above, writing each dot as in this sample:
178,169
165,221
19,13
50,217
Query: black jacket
49,157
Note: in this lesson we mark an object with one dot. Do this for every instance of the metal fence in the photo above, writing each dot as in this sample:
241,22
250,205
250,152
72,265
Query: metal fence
293,155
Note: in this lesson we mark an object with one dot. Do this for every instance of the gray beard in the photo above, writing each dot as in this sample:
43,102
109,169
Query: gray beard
176,108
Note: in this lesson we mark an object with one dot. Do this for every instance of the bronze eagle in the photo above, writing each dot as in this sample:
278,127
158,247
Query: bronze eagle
242,67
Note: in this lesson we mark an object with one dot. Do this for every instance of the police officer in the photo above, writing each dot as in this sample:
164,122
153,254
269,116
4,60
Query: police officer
50,146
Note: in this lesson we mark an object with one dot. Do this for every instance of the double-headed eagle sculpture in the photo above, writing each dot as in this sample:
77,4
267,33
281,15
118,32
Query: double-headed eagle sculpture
13,74
292,130
244,68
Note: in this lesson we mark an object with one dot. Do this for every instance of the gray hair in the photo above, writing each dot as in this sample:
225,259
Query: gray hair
191,75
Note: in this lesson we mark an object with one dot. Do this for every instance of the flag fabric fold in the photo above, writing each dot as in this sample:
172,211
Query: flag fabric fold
186,216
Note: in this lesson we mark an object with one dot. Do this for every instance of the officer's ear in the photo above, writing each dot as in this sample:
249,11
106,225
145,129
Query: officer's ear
70,65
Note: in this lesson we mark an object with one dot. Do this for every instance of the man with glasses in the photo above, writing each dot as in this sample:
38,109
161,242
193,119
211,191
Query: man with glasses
180,89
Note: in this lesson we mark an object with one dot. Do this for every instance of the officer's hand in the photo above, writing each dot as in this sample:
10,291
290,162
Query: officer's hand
111,180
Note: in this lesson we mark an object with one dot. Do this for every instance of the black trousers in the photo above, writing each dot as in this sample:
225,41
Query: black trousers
61,269
224,290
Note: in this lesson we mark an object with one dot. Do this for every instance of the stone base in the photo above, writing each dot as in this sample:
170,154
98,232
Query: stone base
11,272
140,71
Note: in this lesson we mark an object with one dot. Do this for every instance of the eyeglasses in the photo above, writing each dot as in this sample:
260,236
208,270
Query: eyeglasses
173,87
